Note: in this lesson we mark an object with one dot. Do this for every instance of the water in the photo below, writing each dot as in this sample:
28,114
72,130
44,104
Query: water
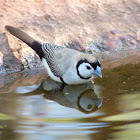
33,107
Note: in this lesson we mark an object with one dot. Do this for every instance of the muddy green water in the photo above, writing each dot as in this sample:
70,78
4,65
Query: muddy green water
109,109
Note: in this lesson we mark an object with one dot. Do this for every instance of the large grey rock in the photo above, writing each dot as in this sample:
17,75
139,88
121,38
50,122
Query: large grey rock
14,57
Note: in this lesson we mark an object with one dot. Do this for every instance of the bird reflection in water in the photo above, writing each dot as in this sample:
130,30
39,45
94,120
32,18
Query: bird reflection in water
81,97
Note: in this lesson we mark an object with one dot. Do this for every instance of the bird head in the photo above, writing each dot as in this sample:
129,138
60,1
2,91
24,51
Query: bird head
87,69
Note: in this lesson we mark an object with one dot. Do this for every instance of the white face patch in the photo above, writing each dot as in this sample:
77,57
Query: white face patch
85,70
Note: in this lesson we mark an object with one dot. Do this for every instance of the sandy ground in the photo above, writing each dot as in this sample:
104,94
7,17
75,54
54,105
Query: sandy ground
60,21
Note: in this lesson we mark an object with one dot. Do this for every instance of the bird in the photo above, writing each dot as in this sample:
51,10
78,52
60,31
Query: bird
64,65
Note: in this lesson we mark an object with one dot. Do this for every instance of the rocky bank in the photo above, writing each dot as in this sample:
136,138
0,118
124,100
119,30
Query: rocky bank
113,24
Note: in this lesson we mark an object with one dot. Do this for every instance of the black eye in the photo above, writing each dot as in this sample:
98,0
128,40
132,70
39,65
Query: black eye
88,67
89,106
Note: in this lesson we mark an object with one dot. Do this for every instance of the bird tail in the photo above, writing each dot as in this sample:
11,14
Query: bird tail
26,39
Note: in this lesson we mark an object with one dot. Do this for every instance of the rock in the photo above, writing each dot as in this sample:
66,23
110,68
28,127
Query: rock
14,58
115,44
120,59
8,61
62,21
74,45
27,78
59,22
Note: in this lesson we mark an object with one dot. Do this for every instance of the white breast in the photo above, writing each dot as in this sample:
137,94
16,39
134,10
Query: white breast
49,71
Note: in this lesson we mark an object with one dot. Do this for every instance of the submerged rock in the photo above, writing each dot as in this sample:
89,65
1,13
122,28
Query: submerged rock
27,78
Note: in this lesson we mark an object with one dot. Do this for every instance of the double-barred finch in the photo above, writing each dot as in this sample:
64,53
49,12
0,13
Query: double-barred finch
63,64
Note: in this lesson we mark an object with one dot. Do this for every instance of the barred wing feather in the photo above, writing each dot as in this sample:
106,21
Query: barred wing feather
53,55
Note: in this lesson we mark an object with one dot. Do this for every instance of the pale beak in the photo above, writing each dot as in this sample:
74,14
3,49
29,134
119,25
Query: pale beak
98,72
